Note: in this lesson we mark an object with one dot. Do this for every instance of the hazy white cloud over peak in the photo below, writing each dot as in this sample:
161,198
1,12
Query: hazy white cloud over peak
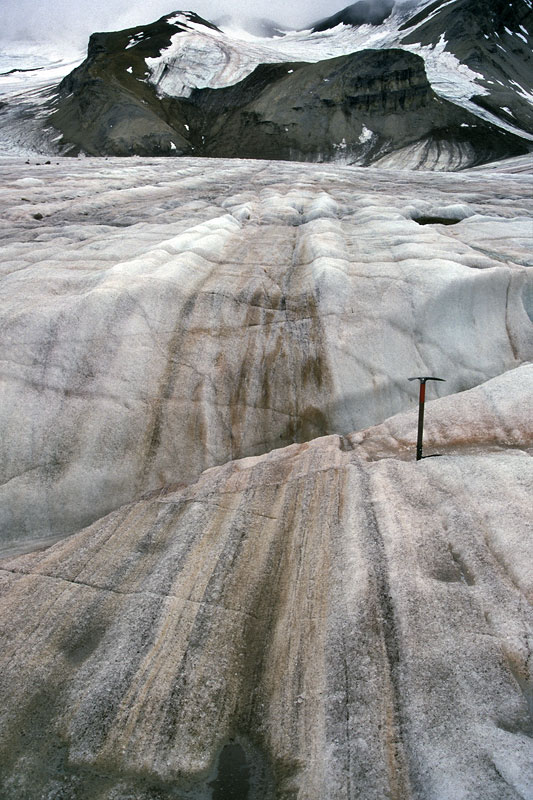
72,22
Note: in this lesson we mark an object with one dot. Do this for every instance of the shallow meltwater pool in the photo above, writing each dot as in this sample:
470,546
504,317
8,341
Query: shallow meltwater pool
233,775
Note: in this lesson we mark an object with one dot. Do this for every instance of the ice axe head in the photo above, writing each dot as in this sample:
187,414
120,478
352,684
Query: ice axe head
423,379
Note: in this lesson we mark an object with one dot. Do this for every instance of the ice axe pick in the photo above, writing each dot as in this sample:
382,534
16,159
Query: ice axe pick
421,401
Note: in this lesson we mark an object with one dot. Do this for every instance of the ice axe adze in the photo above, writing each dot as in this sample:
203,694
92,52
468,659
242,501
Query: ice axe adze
421,401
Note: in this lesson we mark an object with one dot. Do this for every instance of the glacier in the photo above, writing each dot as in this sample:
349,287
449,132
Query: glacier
160,319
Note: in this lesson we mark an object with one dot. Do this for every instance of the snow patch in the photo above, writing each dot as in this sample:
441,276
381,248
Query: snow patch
27,182
449,78
522,92
186,20
366,135
341,145
135,40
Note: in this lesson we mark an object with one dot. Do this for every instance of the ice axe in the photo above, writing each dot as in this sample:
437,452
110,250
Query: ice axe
421,401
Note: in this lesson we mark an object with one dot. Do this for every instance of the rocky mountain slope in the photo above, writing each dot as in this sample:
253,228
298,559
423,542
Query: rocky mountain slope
493,39
157,322
328,620
361,108
360,13
423,85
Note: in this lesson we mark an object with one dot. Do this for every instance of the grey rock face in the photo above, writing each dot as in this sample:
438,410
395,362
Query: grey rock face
360,13
105,107
360,107
337,623
156,322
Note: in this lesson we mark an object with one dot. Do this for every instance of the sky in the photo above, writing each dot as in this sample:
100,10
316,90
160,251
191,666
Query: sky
72,21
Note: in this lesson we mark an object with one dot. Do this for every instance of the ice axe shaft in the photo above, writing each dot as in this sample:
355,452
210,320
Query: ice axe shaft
421,403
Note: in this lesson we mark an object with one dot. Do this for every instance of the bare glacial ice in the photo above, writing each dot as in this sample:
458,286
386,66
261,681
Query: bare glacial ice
204,403
359,625
162,318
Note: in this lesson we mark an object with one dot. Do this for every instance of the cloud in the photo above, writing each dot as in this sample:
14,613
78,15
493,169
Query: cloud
71,21
55,20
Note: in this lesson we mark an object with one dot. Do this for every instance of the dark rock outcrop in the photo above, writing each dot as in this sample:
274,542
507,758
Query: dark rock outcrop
356,108
106,107
364,12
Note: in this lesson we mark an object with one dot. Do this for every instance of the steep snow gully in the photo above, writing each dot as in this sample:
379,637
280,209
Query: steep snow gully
206,364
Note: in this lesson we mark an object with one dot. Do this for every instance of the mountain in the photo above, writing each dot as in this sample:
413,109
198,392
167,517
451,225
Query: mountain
495,41
364,12
374,84
359,108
